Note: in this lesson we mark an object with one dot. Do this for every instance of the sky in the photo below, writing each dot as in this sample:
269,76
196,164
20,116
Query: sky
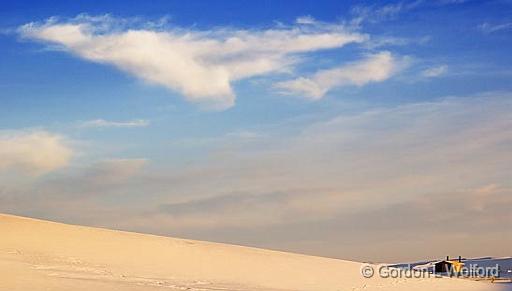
371,131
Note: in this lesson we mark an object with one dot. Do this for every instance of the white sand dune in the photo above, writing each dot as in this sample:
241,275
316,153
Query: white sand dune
42,255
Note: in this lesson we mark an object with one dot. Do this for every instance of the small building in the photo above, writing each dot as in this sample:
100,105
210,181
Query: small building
448,266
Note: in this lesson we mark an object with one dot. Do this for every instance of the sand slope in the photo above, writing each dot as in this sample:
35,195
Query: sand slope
42,255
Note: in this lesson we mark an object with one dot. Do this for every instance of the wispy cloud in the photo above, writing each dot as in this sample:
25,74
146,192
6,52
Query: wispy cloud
94,179
490,28
305,20
376,13
201,65
33,152
114,170
447,2
435,71
374,68
388,41
368,176
102,123
364,169
364,161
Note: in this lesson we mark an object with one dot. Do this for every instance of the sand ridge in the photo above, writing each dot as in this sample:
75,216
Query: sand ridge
43,255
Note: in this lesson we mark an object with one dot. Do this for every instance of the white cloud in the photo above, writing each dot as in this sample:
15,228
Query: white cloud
305,20
435,71
374,68
489,28
375,13
35,152
101,123
201,65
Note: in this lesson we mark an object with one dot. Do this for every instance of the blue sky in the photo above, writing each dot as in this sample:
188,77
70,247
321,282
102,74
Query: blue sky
227,120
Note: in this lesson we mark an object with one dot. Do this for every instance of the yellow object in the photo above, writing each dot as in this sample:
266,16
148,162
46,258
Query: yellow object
457,266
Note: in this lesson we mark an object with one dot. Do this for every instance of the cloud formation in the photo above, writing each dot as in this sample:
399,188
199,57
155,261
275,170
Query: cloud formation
33,152
375,13
435,71
490,28
367,161
201,65
94,179
374,68
114,169
348,180
102,123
